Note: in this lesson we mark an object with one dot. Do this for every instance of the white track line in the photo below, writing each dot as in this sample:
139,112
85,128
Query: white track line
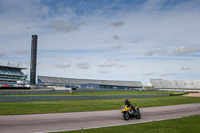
111,125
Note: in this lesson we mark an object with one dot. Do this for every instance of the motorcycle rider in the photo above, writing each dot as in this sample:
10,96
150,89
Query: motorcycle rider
129,105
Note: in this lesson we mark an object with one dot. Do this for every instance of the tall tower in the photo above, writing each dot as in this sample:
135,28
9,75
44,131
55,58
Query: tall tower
33,60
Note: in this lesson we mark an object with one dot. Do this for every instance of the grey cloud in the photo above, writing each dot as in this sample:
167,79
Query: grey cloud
152,52
63,65
149,53
168,74
66,26
134,42
2,54
117,24
22,51
107,64
185,68
32,26
184,50
121,66
178,51
116,37
118,46
83,65
103,71
79,58
150,73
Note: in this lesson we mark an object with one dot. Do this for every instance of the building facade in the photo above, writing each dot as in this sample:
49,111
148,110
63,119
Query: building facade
12,76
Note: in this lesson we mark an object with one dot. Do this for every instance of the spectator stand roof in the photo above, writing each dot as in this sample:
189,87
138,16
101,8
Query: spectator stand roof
63,81
175,84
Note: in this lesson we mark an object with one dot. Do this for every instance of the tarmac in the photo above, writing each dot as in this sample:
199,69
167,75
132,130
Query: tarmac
94,119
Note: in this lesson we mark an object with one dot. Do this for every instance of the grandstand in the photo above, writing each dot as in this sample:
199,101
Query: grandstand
175,84
88,83
12,76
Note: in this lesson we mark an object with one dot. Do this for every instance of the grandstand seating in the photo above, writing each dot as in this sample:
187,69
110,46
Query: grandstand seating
44,80
10,75
175,84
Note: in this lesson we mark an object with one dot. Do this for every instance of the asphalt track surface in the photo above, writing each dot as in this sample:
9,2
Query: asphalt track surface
94,119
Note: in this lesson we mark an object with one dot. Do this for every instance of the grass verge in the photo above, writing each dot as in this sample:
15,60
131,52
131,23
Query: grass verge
102,93
188,124
88,105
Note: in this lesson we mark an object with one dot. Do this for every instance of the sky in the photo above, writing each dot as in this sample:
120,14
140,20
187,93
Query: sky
126,40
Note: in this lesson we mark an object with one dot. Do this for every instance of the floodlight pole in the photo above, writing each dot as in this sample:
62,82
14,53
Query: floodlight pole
33,60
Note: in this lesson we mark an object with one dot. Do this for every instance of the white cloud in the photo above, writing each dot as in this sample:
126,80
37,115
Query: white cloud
145,30
185,50
83,65
63,65
107,64
66,26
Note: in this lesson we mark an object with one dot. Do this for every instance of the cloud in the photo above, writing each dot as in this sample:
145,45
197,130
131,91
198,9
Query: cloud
63,65
116,37
184,50
66,26
152,52
103,71
168,74
150,73
83,65
134,42
79,58
2,54
117,24
22,51
185,68
121,66
107,64
117,46
149,53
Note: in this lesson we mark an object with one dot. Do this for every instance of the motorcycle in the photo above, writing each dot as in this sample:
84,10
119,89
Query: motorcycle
129,113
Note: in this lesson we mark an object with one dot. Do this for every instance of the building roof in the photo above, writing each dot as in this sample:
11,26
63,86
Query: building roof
11,67
175,84
58,80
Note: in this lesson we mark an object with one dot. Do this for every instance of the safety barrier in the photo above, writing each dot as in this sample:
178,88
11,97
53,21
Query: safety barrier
24,92
63,98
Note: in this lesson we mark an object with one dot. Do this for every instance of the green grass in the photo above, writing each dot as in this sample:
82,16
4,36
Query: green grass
103,93
189,124
88,105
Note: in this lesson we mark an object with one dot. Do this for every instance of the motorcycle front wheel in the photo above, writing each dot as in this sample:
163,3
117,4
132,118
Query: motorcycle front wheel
126,116
138,116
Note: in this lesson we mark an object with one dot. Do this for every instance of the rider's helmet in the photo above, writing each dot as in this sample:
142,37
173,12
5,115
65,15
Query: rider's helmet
126,101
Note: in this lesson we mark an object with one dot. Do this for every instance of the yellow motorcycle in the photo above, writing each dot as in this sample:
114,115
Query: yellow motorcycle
129,113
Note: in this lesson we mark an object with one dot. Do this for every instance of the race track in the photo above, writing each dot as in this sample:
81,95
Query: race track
72,121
